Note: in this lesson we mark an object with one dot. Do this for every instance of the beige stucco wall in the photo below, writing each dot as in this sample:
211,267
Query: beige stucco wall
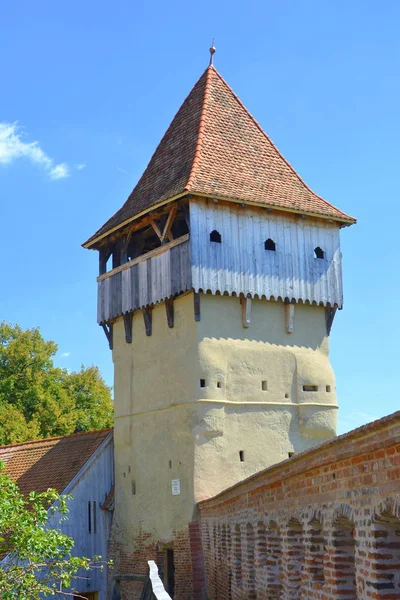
167,426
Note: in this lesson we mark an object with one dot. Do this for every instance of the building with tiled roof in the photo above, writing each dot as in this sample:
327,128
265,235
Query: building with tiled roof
219,280
81,465
215,148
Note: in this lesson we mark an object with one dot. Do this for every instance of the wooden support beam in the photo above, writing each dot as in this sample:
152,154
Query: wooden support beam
169,221
116,255
169,308
186,214
124,247
104,255
196,306
246,312
108,330
128,320
289,317
330,312
156,228
148,319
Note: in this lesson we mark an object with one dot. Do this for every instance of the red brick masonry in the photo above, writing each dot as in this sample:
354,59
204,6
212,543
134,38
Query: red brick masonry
324,524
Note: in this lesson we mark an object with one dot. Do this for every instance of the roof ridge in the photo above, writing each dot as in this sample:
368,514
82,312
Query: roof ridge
52,439
238,100
200,133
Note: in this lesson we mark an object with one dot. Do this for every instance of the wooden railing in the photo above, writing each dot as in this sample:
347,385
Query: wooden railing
160,274
153,588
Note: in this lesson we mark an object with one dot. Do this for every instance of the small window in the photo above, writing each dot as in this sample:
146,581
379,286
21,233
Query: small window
89,517
219,384
328,388
94,517
202,383
215,236
264,385
286,395
241,455
270,245
290,454
170,464
310,388
319,253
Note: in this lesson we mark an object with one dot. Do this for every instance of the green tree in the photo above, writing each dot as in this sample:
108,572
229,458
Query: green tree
38,399
39,558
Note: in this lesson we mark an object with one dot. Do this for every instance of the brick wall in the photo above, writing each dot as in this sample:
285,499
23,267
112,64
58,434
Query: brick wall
188,562
322,525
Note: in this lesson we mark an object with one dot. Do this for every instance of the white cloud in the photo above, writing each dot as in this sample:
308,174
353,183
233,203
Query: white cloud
65,354
13,147
59,171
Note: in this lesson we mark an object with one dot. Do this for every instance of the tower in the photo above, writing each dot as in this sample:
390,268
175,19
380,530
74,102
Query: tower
219,280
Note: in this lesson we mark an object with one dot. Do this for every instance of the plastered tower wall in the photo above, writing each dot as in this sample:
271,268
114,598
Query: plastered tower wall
251,412
219,279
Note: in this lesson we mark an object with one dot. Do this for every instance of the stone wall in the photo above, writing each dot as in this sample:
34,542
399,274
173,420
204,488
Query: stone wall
324,524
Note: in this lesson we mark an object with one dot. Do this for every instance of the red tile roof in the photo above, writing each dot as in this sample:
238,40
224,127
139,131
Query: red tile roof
50,463
214,147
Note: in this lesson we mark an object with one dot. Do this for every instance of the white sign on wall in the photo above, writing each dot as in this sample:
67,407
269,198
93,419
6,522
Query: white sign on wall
176,487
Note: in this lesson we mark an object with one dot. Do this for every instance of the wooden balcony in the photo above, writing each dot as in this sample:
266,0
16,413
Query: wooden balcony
153,277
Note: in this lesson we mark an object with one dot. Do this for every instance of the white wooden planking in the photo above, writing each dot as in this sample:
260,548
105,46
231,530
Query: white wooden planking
94,484
241,265
145,282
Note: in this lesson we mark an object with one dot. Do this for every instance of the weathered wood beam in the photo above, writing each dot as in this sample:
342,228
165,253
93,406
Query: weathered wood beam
128,320
156,228
169,221
246,311
186,214
104,255
148,319
169,309
196,306
116,255
108,330
144,257
129,577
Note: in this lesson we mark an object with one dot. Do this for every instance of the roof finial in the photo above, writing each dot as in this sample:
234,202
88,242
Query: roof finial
212,52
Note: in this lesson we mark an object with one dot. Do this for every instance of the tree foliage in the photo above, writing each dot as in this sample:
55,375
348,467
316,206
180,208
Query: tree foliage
39,559
38,399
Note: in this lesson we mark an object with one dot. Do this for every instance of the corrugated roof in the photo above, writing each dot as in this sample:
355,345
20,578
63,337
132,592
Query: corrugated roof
214,147
50,463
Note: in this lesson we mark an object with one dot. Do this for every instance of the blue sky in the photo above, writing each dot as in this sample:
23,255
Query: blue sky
96,84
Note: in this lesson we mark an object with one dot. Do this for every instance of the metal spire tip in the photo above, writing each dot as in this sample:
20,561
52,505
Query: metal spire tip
212,52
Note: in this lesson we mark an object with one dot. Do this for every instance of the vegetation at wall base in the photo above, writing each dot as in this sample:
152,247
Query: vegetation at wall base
37,560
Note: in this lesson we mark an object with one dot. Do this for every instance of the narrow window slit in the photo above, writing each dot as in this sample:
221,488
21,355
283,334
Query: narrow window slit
264,385
328,388
241,455
89,517
310,388
202,383
319,253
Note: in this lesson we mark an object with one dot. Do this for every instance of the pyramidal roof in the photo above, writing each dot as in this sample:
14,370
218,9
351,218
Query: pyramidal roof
214,147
